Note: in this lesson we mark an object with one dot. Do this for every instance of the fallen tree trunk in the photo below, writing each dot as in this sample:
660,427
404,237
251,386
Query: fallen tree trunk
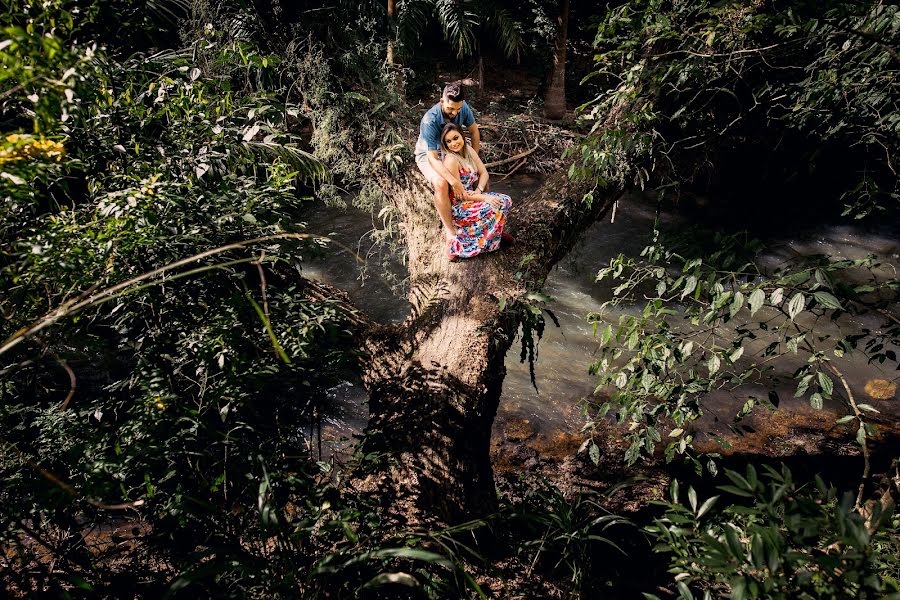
435,381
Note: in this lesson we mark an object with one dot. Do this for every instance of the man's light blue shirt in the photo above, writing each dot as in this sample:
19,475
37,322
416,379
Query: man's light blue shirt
432,126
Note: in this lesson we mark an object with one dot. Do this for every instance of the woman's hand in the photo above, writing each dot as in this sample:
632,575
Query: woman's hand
459,192
475,196
492,200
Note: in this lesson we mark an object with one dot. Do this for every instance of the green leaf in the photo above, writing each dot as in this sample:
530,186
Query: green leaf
803,385
746,409
757,551
861,435
796,305
736,355
776,297
734,543
411,553
731,489
398,578
825,383
845,419
816,401
706,506
736,304
268,325
607,334
81,583
594,453
689,286
738,589
756,300
713,364
827,300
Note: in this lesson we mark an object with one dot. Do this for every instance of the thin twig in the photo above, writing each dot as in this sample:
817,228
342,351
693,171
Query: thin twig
262,282
865,443
73,382
888,315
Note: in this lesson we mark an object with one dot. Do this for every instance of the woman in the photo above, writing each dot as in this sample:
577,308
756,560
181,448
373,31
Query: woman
479,216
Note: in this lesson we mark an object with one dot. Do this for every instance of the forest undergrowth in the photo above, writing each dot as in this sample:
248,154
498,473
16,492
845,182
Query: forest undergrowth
164,357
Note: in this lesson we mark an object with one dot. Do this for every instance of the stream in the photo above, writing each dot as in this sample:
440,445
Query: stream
551,416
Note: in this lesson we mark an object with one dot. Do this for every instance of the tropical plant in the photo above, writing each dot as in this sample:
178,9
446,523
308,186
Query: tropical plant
566,534
465,25
152,258
771,536
685,89
714,318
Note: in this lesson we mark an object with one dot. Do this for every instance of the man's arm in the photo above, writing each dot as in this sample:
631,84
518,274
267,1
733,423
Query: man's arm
476,136
458,190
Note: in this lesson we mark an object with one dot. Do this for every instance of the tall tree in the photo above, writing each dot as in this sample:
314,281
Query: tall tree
434,381
392,31
555,99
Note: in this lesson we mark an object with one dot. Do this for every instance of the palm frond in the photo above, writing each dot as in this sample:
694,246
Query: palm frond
412,19
508,29
309,168
169,11
240,26
459,21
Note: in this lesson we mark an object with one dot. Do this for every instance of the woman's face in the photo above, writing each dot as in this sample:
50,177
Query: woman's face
454,141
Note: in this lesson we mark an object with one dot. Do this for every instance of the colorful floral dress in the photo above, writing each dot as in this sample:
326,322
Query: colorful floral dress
479,224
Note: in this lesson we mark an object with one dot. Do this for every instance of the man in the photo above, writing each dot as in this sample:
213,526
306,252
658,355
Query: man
451,109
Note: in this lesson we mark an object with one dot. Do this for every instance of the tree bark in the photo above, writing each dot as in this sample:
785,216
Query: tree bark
391,42
434,382
555,98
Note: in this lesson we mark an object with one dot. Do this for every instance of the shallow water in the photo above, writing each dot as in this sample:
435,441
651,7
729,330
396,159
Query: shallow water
566,353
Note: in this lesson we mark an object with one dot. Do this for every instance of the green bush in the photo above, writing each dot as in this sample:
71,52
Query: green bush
774,537
190,382
792,90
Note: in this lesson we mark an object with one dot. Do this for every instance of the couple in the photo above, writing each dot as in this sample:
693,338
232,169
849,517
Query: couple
473,218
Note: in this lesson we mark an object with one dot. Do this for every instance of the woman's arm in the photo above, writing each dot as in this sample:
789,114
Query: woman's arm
452,165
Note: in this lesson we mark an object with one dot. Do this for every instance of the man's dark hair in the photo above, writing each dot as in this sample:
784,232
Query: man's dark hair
453,91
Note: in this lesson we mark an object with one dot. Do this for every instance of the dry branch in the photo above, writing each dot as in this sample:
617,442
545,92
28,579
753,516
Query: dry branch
512,158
